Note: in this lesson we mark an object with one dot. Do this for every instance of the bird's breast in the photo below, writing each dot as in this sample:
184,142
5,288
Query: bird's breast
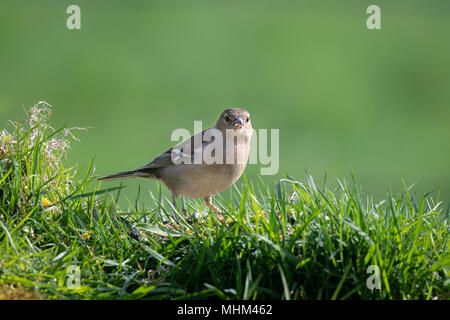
201,180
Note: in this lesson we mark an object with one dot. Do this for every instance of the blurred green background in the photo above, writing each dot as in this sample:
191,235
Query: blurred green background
344,97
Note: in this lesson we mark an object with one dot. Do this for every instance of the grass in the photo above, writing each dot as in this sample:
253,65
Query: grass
295,240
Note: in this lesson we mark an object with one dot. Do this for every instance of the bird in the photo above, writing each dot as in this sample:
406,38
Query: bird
204,165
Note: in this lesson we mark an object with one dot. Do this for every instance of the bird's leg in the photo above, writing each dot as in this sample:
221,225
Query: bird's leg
209,204
214,208
174,203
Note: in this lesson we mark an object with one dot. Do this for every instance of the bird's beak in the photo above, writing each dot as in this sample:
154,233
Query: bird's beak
238,123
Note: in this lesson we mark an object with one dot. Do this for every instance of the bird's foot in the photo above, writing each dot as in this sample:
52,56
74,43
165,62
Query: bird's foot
212,206
215,209
168,224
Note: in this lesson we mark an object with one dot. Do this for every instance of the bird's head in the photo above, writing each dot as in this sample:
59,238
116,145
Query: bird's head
234,118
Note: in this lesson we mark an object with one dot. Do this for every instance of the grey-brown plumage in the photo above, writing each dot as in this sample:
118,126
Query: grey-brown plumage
201,166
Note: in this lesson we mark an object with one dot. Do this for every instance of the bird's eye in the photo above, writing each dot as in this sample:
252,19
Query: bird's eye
227,118
248,119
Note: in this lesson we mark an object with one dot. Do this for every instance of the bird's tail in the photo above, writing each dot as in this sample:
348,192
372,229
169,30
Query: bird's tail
127,174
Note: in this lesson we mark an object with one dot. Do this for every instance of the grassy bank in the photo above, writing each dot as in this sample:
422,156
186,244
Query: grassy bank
293,240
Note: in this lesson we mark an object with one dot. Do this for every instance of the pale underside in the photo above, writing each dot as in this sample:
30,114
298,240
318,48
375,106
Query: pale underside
200,180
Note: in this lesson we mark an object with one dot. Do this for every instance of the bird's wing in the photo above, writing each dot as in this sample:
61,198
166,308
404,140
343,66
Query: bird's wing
165,159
